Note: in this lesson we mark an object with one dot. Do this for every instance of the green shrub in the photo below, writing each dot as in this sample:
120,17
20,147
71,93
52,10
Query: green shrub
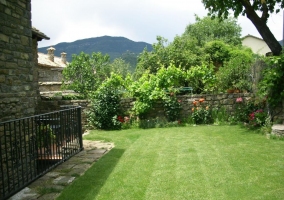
172,107
105,109
257,118
219,115
152,88
243,109
271,87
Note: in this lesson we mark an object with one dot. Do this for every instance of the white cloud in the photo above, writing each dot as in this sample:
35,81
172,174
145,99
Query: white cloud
138,20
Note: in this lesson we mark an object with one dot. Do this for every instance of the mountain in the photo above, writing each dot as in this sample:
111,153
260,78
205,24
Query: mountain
115,47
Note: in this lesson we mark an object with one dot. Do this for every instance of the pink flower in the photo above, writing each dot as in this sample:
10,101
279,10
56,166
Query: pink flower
126,119
239,100
251,116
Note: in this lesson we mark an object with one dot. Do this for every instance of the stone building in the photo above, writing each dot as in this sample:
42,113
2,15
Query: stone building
19,92
50,71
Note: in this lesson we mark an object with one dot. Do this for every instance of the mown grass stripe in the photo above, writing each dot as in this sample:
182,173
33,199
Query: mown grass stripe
203,162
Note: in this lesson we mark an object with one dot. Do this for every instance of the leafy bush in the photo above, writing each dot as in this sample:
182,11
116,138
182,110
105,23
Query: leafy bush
105,109
243,109
219,115
251,112
271,87
235,74
201,78
151,88
257,118
172,107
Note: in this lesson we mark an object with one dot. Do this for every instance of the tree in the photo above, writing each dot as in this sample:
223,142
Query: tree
182,52
86,72
130,58
155,59
120,66
217,52
187,50
206,30
220,8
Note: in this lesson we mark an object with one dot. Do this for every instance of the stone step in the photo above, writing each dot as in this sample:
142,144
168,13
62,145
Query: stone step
278,130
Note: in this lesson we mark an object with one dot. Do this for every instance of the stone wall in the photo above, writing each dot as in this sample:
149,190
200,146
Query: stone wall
46,106
227,101
50,86
50,74
216,100
50,78
18,90
18,81
221,100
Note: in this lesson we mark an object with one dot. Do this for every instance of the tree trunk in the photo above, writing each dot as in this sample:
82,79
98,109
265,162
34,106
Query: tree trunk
264,31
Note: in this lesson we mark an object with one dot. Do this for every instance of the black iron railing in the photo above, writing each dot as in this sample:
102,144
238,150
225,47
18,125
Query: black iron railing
32,146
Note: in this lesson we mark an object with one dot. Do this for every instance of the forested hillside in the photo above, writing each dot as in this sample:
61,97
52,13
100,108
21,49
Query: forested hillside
115,47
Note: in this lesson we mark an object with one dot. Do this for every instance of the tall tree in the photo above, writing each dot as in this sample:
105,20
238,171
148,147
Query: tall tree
206,30
249,8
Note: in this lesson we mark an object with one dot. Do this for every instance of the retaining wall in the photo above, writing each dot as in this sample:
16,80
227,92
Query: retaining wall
220,100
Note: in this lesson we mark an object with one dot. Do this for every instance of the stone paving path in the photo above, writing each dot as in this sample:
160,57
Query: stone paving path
49,186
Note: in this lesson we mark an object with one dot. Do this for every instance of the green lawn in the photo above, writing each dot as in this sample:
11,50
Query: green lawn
202,162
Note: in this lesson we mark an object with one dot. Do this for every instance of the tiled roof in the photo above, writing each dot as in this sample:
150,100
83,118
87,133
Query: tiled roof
40,35
43,60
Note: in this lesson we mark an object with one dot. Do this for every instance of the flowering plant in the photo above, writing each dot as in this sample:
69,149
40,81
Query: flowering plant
201,114
257,118
243,108
125,121
239,100
120,118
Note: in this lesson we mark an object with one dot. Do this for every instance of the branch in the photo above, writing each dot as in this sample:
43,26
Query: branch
265,14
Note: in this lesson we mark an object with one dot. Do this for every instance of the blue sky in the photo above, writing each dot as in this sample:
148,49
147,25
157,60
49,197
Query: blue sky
138,20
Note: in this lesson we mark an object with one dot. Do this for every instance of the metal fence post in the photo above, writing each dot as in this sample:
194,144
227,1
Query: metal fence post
80,127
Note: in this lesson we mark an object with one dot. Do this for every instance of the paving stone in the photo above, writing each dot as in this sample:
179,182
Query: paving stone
82,153
25,194
41,181
90,160
78,164
97,151
63,180
65,166
82,166
57,187
52,174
